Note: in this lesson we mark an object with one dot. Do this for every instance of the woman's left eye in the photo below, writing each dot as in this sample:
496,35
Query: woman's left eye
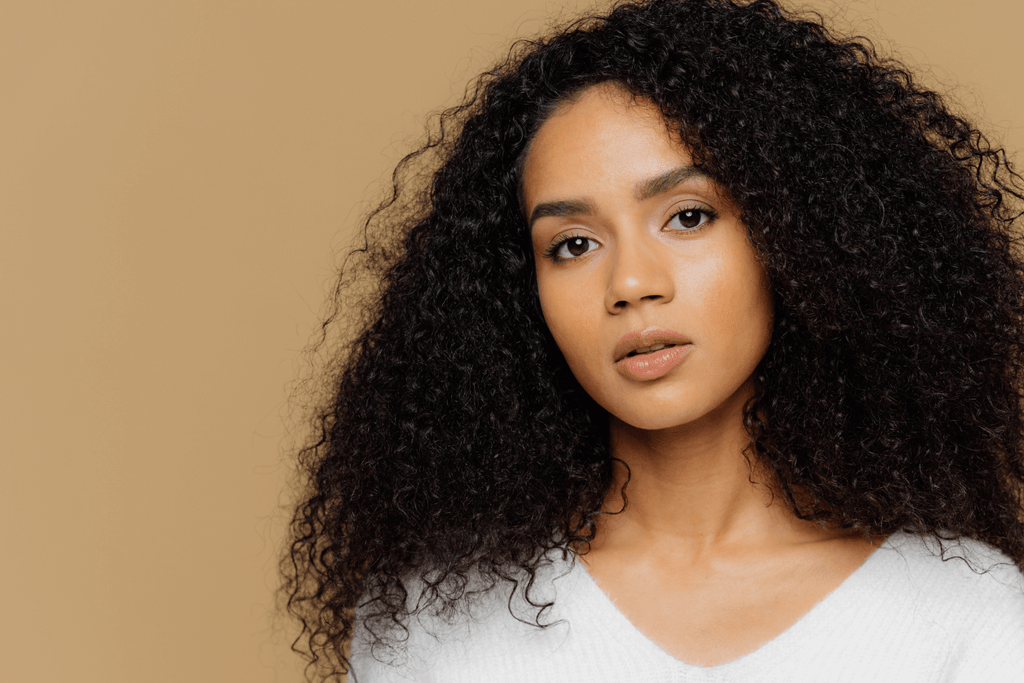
692,218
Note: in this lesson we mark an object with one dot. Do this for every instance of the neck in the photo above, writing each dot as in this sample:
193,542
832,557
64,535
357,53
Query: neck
691,487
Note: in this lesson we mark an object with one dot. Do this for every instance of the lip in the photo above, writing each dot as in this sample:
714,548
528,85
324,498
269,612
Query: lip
632,341
653,365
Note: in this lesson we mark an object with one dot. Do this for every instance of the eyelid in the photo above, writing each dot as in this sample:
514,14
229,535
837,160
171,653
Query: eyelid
690,204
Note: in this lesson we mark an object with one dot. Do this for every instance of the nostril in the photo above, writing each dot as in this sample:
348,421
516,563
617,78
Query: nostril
650,297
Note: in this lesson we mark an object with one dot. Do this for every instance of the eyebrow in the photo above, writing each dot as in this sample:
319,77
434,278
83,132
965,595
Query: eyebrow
666,181
645,189
568,207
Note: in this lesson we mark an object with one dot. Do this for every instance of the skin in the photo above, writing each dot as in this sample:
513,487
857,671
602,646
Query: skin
703,560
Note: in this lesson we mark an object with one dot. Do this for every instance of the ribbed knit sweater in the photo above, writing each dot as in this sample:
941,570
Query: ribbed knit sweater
905,615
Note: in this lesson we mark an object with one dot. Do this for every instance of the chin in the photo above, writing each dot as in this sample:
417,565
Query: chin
720,413
653,421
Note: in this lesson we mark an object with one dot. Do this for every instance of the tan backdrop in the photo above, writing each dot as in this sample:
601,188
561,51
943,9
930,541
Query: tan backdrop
174,178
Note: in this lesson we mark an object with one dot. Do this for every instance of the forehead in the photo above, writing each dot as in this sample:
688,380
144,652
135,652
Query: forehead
600,139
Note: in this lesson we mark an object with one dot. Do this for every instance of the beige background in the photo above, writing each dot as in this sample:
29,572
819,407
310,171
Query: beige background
176,180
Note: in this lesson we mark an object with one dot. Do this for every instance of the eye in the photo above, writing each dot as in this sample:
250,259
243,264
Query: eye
571,247
692,218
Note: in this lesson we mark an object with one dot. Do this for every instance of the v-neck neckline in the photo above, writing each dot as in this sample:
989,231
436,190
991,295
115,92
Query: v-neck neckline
607,615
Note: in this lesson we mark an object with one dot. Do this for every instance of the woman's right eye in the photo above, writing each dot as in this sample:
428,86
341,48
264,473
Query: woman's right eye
571,247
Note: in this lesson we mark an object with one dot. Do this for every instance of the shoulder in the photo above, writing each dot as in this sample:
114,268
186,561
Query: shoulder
919,609
957,570
962,593
487,636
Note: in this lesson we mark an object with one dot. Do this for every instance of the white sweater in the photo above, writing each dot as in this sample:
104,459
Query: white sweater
905,615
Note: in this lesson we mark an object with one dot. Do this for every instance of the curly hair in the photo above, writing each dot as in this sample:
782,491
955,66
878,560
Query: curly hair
455,443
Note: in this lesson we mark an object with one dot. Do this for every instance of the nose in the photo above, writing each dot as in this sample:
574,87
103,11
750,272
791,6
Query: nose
639,273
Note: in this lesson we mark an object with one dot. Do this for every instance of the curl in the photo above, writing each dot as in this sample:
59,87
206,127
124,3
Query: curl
454,448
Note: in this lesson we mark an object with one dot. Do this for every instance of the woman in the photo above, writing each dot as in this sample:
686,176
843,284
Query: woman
699,359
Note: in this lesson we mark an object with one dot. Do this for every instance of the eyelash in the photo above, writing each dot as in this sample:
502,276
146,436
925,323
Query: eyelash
551,252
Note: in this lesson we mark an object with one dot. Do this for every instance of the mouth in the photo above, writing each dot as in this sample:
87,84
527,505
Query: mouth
651,340
652,362
648,349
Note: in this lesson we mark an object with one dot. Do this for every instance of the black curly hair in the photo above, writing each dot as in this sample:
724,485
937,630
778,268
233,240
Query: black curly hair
455,443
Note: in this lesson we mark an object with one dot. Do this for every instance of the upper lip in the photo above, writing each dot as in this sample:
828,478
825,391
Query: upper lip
631,341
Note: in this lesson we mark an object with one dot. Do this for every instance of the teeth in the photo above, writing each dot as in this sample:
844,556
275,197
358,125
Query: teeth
651,349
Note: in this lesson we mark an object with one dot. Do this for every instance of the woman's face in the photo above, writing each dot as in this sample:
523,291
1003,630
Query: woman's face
647,279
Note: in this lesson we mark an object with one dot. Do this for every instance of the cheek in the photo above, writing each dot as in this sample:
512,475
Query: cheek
754,314
735,304
563,325
565,311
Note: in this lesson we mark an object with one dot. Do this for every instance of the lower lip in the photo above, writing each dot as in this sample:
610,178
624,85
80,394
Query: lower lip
647,366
